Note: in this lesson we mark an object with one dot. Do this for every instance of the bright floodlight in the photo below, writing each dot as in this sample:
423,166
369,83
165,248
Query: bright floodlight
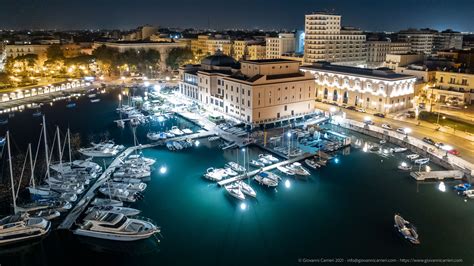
122,77
407,130
156,87
243,206
146,83
287,183
163,170
367,118
404,164
196,143
288,134
442,187
243,149
332,109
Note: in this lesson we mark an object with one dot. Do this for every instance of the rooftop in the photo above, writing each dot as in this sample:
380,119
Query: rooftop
265,61
382,73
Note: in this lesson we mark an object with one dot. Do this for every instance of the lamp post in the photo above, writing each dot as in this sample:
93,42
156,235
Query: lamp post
289,142
446,148
407,131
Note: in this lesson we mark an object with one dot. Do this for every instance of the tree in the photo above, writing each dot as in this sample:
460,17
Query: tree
54,53
177,56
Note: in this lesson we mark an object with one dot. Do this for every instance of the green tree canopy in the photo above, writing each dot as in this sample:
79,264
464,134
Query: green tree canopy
177,56
54,53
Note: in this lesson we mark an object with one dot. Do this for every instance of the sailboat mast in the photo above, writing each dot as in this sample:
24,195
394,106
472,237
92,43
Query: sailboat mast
32,180
59,148
11,172
46,148
69,144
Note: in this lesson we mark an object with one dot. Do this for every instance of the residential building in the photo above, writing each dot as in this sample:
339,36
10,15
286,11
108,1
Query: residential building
447,39
421,41
141,33
276,46
15,50
326,40
258,92
393,61
376,52
207,45
257,51
379,90
453,88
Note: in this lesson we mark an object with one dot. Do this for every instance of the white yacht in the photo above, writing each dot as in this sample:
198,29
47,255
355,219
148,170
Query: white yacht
264,161
131,173
413,156
312,163
285,170
99,151
256,163
398,150
246,189
176,131
115,209
106,202
235,191
76,166
469,193
119,194
115,226
298,169
138,159
213,174
126,186
422,161
187,131
230,172
263,179
21,227
404,166
269,157
236,167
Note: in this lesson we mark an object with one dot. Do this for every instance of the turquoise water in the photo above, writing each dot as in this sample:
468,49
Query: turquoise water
343,211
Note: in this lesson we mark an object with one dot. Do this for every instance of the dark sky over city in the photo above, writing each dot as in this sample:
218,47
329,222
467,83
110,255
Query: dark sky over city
373,15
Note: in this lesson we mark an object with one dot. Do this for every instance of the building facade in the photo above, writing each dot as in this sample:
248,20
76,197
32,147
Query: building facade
259,92
15,50
257,52
447,39
377,51
453,87
378,90
421,41
325,40
276,46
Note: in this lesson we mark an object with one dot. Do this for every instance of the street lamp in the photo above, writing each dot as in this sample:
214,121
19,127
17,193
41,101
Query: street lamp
289,139
446,148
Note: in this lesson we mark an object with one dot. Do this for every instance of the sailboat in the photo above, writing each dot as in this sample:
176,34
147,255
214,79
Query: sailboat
20,227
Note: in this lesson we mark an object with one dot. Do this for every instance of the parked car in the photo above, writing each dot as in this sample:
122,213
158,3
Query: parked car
379,115
387,126
439,145
429,141
454,152
369,122
351,107
362,110
401,130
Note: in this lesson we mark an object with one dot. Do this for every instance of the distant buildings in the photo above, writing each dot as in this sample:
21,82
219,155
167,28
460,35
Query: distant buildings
325,40
207,45
377,51
379,90
15,50
257,92
447,39
141,33
277,46
427,41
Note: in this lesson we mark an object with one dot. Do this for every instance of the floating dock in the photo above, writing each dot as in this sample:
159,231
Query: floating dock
263,169
437,175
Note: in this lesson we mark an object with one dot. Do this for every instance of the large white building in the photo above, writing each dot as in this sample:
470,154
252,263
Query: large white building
378,50
283,44
421,41
447,39
258,92
379,90
325,40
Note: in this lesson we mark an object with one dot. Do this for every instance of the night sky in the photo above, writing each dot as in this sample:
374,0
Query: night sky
369,15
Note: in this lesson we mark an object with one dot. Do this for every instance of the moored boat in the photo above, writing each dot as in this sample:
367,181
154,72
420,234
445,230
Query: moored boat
406,229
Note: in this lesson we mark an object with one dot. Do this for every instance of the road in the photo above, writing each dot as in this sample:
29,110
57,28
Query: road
465,147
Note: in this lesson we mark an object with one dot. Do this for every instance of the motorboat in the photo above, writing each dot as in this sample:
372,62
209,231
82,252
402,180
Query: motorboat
100,151
247,189
230,172
119,194
235,191
213,174
115,226
120,123
177,145
96,100
48,214
153,136
256,163
169,135
106,202
127,180
115,209
213,138
236,167
71,104
422,161
264,161
273,176
406,229
285,170
137,159
469,193
127,172
298,169
130,187
399,150
269,157
21,227
187,131
176,131
413,156
405,167
312,163
462,187
263,179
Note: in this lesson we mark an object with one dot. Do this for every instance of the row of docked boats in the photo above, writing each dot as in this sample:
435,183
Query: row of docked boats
102,149
173,132
107,218
293,169
263,160
230,169
179,145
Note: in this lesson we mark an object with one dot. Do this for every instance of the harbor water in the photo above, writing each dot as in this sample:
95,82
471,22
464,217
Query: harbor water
343,211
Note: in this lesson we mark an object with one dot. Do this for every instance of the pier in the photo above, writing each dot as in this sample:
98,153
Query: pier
437,175
86,198
263,169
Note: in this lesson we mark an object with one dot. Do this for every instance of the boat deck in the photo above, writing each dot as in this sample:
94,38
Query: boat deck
437,175
266,168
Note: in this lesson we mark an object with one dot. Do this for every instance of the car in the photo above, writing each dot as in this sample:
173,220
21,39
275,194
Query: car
410,115
387,126
379,115
439,145
454,152
369,122
401,130
429,141
351,107
362,110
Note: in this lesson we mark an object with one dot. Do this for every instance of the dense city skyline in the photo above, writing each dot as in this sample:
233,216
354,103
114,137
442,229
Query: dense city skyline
281,14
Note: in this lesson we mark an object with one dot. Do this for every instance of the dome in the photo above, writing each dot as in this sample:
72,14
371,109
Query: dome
219,60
